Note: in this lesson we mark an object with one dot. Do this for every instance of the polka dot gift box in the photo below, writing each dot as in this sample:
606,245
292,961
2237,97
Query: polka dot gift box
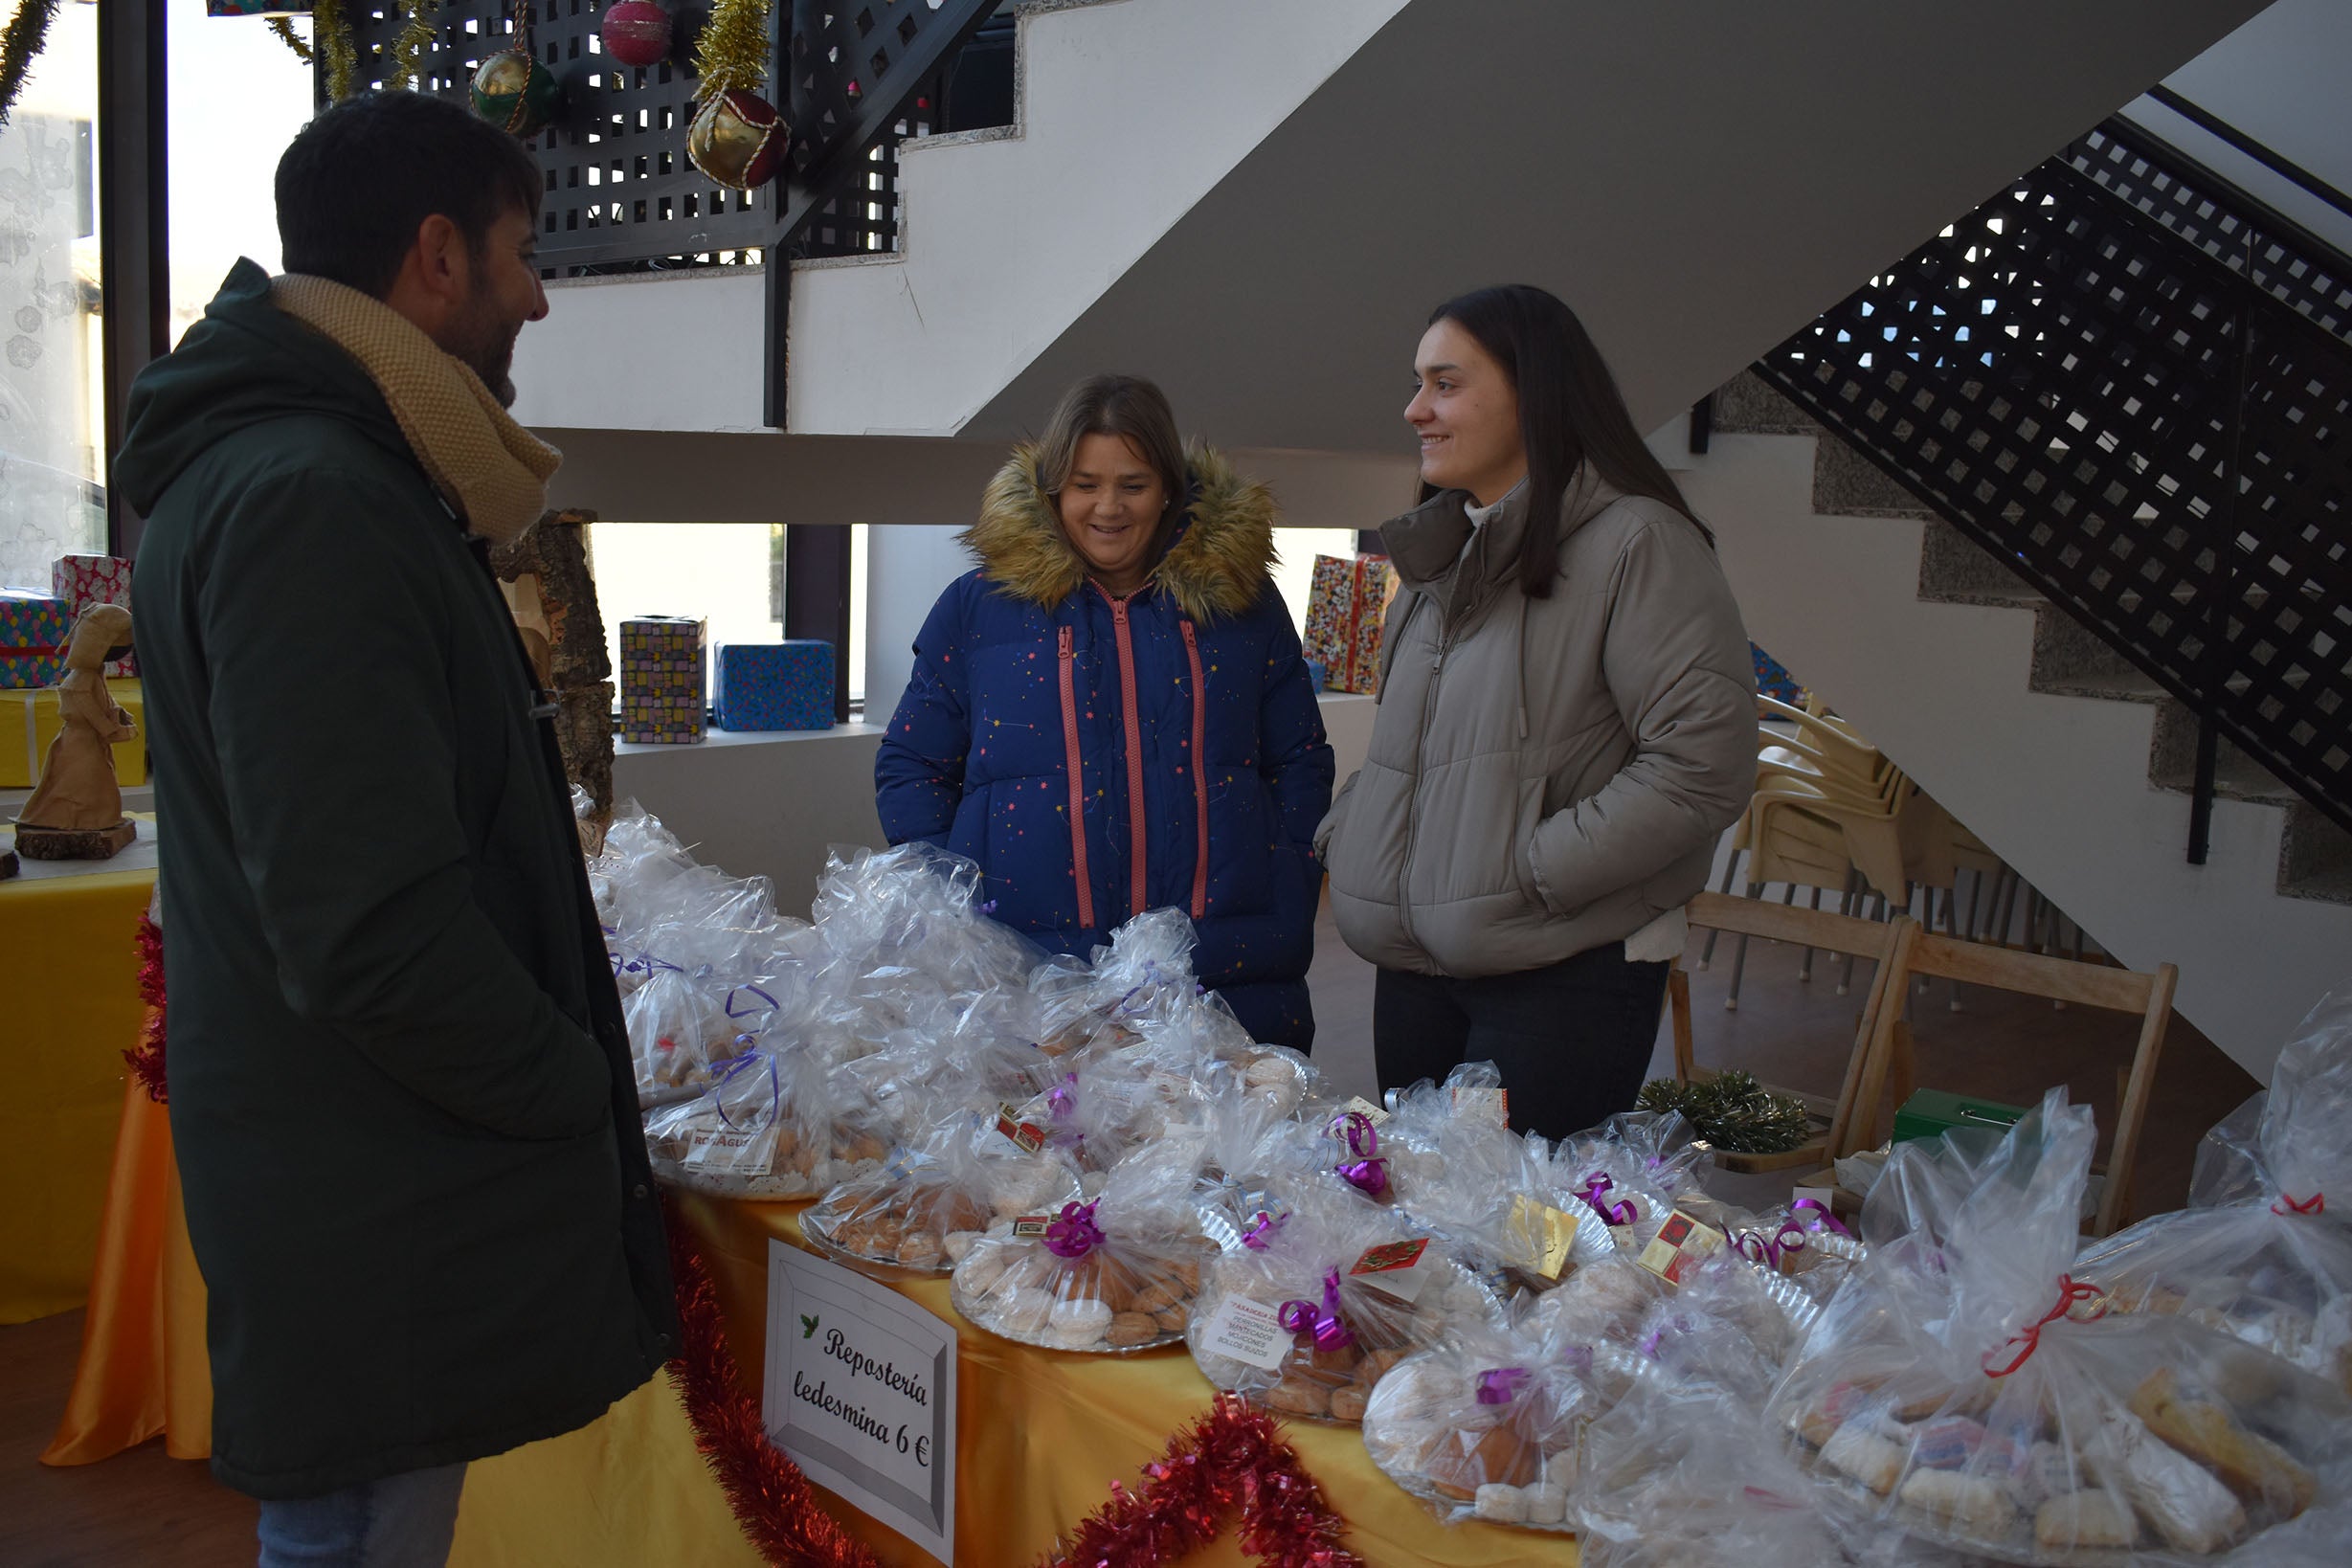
665,678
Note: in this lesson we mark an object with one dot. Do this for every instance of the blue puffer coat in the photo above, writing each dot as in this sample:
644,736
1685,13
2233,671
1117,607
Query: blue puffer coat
1048,733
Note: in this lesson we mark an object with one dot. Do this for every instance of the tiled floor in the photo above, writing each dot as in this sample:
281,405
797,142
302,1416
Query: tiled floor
143,1508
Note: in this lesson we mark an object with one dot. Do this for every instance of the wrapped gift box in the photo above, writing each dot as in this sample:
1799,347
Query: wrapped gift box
34,629
1347,608
665,680
84,580
776,685
29,720
1773,680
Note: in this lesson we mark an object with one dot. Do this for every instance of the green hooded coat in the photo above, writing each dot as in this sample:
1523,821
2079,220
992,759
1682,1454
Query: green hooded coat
400,1086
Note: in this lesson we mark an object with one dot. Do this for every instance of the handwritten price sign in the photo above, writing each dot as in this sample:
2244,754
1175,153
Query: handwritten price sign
860,1391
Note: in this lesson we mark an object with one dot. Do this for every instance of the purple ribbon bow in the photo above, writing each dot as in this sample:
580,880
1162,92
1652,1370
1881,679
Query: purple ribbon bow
1502,1384
645,963
1615,1214
749,1062
1826,1221
1062,1100
754,991
1075,1234
1259,1236
1368,1171
1753,1247
1302,1318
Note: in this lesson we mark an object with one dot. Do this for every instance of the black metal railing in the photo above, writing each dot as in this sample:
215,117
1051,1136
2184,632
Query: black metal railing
2129,381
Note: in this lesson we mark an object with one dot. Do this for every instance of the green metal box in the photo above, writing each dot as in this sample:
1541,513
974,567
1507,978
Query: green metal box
1931,1113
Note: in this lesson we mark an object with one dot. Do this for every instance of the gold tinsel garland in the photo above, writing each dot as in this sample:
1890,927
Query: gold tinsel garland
400,54
732,52
284,27
330,32
19,44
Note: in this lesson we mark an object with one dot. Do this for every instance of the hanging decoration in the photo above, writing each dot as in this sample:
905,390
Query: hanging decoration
636,33
400,67
737,138
19,46
512,88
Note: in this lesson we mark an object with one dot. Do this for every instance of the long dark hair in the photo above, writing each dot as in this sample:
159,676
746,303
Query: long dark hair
1570,413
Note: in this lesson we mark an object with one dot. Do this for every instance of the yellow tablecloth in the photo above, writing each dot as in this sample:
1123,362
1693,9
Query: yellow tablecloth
1041,1434
69,1008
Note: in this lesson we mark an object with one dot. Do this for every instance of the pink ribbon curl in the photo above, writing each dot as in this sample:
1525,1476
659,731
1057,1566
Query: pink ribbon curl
1075,1234
2316,1203
1614,1214
1330,1332
1826,1219
1368,1171
1261,1232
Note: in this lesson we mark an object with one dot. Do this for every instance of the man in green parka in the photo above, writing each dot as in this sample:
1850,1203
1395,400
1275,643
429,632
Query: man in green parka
399,1080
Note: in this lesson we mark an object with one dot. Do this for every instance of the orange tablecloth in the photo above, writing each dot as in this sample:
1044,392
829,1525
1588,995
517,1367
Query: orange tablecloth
1041,1434
68,1010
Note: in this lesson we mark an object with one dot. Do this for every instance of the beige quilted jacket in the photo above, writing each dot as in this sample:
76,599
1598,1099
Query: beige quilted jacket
1546,776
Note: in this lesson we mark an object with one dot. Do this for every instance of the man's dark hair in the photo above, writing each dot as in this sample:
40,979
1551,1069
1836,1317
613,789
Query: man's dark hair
360,180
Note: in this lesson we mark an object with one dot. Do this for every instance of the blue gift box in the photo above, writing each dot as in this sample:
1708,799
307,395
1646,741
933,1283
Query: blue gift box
1317,675
776,685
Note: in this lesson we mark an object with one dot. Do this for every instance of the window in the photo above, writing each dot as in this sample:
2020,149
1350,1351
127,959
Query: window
237,95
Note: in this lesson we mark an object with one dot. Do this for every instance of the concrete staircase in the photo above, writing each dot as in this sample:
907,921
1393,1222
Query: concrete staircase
2074,766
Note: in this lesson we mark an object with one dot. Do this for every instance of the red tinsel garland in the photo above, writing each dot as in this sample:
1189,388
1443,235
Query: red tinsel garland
1232,1460
147,1058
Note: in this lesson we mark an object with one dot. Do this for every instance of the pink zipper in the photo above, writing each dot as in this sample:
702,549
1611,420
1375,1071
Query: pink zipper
1076,765
1200,774
1135,834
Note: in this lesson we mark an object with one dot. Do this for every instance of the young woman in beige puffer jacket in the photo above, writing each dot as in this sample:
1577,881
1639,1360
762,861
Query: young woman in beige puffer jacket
1566,726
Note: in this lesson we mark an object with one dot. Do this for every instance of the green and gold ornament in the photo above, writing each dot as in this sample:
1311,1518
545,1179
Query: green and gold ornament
737,138
513,89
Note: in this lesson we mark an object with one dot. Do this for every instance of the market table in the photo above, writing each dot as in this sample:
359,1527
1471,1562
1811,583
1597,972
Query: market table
70,1009
1043,1434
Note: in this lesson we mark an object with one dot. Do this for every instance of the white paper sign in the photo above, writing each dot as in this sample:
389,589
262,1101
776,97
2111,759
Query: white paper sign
860,1391
1247,1331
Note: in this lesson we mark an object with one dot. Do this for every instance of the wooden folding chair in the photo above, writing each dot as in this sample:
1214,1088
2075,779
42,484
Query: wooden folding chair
2058,979
1852,1122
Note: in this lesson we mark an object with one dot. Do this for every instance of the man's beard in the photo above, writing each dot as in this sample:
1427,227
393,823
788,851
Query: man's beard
486,345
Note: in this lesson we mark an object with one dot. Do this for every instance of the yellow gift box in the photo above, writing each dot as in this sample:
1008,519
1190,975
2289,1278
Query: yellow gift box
29,722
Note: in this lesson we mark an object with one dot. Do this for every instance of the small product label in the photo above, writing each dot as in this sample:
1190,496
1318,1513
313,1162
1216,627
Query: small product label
1487,1104
1396,1270
1032,1224
1360,1107
1248,1330
1537,1237
1026,1137
1682,1243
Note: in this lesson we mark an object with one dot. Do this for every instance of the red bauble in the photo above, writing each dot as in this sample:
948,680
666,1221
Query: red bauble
737,139
636,33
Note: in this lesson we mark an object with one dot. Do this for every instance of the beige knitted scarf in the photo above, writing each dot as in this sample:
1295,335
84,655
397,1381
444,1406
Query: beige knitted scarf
492,471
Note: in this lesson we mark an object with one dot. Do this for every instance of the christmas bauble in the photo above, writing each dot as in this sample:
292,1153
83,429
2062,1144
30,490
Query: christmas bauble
636,33
514,90
737,140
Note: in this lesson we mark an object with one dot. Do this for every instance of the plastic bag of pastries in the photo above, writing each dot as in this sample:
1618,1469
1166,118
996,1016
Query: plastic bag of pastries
1495,1203
1486,1426
1963,1388
775,1124
1143,974
684,1025
935,1196
2259,1254
1119,1272
1631,1172
1320,1300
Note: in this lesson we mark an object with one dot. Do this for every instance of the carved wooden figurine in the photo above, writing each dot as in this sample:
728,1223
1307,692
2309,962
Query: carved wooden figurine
76,813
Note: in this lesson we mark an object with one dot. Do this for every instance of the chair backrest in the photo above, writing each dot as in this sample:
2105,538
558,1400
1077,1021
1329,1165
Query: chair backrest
1886,944
2077,982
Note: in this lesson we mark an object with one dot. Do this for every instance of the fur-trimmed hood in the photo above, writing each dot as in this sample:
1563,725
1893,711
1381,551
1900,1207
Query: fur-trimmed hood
1216,566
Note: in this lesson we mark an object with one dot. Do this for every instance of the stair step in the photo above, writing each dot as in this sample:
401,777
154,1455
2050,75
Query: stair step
2172,762
2070,659
1847,485
1954,568
2315,857
1748,405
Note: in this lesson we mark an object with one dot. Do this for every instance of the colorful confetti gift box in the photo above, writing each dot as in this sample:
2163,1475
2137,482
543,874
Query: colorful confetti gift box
1347,607
664,682
34,629
84,580
776,685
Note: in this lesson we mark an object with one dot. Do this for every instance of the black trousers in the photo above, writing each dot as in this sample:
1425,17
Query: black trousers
1573,1039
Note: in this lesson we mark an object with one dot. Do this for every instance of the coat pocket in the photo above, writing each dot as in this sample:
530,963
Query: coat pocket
1527,818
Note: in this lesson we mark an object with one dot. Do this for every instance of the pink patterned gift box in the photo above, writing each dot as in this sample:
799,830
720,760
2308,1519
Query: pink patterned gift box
1347,605
84,580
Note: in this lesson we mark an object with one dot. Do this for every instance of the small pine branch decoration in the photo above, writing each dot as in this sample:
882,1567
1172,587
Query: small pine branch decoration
1732,1111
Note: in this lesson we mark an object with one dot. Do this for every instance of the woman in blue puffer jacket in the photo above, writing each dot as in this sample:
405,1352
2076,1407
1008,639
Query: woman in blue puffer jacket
1121,624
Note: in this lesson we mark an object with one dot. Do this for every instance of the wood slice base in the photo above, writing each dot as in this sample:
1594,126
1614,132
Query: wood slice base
48,844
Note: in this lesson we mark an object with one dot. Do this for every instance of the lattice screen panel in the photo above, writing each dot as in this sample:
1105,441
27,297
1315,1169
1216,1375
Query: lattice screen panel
620,189
2061,377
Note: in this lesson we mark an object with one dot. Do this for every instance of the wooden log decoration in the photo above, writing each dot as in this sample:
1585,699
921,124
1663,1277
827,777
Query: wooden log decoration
553,596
